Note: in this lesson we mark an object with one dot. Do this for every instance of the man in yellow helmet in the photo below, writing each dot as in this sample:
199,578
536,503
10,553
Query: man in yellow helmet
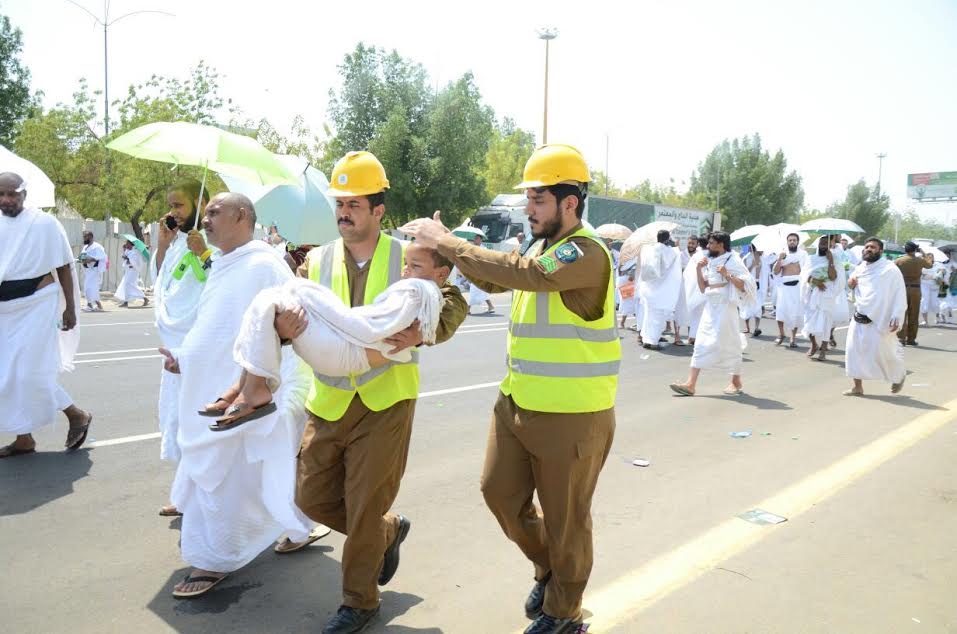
554,420
356,441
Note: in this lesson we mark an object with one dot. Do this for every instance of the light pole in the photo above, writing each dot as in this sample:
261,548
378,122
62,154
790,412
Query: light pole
106,23
880,164
548,34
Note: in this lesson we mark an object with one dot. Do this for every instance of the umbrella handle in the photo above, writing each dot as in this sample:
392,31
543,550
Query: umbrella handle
202,188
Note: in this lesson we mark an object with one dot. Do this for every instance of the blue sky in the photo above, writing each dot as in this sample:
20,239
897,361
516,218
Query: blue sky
830,83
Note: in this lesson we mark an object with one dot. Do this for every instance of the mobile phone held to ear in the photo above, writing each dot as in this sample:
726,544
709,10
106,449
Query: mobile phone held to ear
170,222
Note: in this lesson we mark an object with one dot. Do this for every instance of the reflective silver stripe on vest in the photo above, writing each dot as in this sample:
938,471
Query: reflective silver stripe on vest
564,370
395,261
362,379
544,329
325,264
339,382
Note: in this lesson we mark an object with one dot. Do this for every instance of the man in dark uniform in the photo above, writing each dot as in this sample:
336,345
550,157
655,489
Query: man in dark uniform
911,266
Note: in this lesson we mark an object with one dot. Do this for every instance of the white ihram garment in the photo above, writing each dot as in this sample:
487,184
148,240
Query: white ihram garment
929,289
694,298
175,304
758,271
236,487
789,308
337,336
718,344
93,275
129,288
659,283
873,351
842,307
819,306
34,349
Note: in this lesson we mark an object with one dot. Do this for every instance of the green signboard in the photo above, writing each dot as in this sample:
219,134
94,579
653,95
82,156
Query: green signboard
932,186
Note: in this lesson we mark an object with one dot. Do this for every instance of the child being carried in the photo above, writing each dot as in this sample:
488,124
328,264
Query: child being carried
339,341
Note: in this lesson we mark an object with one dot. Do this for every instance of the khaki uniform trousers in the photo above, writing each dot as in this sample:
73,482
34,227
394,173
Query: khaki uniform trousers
349,472
559,456
908,331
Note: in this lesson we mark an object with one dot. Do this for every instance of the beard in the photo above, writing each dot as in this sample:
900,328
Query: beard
792,249
548,229
871,257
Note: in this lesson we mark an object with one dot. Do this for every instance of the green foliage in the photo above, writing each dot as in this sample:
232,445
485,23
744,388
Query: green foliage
433,145
910,226
15,99
755,187
508,151
62,142
864,206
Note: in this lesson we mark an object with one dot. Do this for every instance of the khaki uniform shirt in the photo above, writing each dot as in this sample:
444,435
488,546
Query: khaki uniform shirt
911,267
582,282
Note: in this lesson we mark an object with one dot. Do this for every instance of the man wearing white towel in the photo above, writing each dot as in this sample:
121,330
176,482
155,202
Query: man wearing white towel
789,310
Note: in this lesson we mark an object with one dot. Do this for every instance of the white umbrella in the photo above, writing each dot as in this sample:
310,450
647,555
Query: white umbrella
774,239
468,232
40,191
744,235
939,256
831,225
612,231
647,234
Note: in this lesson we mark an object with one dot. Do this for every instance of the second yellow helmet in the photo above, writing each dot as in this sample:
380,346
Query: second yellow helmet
553,164
357,174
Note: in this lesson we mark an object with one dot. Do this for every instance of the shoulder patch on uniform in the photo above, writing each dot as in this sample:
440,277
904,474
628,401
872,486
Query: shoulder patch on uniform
567,252
548,263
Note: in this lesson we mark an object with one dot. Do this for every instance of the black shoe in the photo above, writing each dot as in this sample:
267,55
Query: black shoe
550,625
349,620
390,561
536,598
912,343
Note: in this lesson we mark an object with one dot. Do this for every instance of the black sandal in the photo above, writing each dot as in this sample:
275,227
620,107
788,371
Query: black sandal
12,450
76,444
235,419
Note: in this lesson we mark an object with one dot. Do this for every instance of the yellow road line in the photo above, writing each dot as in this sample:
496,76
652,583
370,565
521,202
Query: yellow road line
626,597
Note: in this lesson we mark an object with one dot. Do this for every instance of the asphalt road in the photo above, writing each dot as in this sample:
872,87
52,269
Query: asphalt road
867,486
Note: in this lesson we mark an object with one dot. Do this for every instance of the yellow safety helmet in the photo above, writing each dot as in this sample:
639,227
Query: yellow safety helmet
358,174
553,164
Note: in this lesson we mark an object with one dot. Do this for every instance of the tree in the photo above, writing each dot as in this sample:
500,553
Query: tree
863,205
755,187
15,99
62,142
508,151
909,225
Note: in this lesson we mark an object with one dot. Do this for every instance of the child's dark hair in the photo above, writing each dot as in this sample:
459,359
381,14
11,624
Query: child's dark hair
440,260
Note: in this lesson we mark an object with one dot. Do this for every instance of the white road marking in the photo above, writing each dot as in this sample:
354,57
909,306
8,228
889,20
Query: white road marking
128,439
87,354
108,359
119,323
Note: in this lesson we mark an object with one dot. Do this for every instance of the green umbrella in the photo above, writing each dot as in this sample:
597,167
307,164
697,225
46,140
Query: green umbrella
211,148
138,244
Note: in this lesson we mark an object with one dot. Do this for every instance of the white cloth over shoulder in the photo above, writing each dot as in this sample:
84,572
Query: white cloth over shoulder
718,343
129,288
93,275
236,487
659,283
335,340
34,350
694,298
175,303
873,350
819,305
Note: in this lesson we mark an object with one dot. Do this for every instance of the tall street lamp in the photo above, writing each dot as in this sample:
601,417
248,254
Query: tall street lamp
548,34
106,23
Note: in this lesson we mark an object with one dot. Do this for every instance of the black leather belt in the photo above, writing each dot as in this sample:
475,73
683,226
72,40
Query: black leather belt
791,283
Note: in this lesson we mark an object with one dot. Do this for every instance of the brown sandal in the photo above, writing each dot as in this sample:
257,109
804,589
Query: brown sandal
241,414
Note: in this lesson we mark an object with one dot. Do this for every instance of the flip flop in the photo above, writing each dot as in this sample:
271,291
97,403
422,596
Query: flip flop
235,419
317,533
734,392
212,581
792,345
681,390
216,411
11,450
779,341
166,512
897,387
82,439
757,333
852,392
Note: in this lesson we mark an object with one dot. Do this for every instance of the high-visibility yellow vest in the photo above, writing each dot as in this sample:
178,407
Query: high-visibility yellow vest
380,387
557,361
